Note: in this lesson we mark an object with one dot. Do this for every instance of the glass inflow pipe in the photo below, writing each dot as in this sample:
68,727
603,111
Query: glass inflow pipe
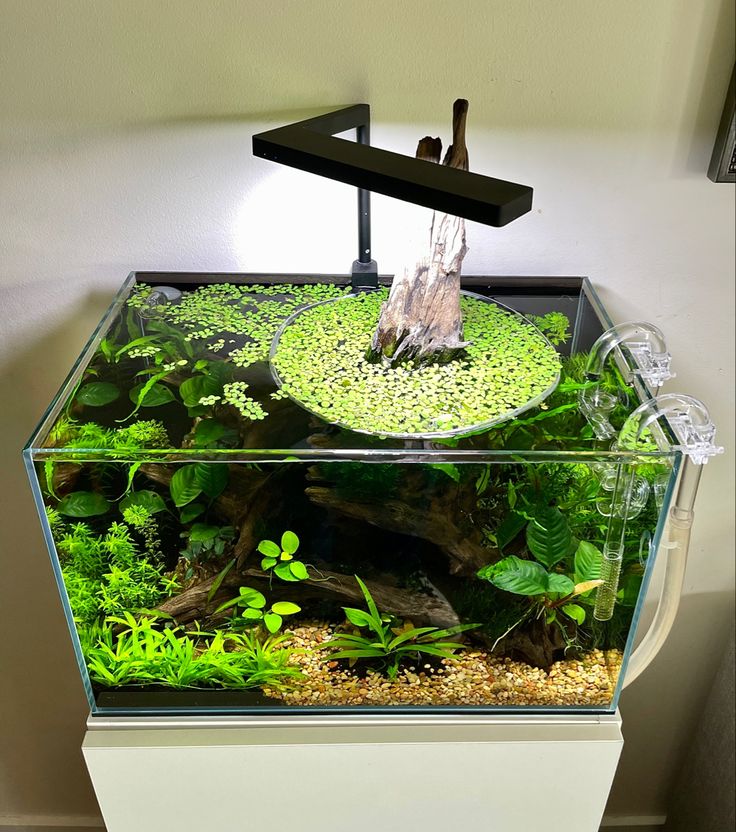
695,433
613,549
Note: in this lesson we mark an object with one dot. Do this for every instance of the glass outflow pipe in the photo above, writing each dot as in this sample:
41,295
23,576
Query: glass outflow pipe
645,342
695,432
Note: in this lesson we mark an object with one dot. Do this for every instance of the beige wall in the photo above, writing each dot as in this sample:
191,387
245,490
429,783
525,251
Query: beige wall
124,143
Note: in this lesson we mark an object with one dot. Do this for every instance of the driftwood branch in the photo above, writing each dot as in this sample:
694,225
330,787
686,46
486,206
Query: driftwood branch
421,320
427,607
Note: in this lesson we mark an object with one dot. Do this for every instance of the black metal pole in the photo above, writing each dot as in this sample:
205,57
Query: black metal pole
363,134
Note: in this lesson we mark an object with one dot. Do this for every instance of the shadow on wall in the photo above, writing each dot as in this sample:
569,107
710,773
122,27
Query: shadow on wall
663,706
42,701
703,797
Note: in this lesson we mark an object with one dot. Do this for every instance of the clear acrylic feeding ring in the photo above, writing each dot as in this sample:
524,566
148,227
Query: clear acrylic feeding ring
318,358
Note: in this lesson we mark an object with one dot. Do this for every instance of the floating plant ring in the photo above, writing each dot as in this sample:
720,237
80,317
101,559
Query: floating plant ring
318,358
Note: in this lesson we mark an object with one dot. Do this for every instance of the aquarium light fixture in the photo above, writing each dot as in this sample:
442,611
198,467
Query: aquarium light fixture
311,145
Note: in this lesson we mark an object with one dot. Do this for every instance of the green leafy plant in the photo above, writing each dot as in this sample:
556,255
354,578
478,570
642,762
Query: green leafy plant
129,651
83,504
253,604
205,541
280,559
209,433
549,592
389,642
197,478
108,572
554,325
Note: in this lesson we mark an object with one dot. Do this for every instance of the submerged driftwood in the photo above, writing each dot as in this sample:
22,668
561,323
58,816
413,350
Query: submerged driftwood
420,607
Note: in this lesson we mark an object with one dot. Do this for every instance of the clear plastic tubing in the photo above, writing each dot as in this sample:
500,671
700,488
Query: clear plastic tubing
694,429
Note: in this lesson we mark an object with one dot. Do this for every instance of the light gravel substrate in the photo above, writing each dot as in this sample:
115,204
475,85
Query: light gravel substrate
475,677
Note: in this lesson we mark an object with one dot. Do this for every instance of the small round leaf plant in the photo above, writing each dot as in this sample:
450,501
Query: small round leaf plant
281,560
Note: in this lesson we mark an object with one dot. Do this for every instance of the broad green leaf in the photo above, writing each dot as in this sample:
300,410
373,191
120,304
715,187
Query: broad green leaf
574,611
512,524
560,583
299,570
97,393
197,387
289,542
149,500
447,468
252,597
184,485
267,563
83,504
207,432
358,617
211,477
154,396
269,549
548,536
283,571
201,532
273,622
285,608
588,561
252,614
522,577
190,511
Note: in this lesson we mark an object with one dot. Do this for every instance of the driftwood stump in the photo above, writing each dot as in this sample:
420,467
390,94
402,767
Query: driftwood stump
421,320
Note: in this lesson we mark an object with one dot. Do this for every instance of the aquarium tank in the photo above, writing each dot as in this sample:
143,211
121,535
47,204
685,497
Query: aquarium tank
250,511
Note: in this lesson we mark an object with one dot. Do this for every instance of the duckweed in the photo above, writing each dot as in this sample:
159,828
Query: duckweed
321,363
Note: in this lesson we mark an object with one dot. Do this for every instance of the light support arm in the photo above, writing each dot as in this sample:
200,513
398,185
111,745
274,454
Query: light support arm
311,145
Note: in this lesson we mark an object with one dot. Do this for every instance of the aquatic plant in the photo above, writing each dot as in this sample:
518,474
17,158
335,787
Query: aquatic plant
143,654
280,558
388,641
321,361
247,406
554,325
140,518
194,479
132,588
254,611
553,584
107,572
205,541
234,314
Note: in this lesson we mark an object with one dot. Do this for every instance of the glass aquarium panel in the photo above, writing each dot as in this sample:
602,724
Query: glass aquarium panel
219,548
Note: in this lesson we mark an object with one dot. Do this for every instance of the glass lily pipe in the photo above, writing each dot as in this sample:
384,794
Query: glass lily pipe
221,547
